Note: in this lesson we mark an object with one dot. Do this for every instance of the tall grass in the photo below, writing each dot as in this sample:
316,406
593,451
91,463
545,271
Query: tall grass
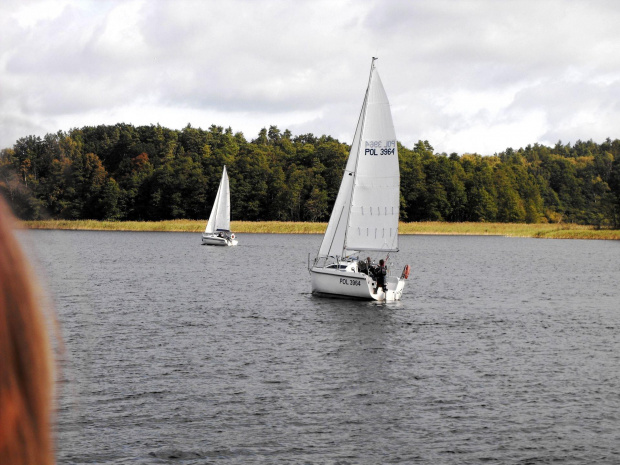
273,227
94,225
551,230
487,229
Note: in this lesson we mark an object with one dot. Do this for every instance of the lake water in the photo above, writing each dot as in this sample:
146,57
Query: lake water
503,350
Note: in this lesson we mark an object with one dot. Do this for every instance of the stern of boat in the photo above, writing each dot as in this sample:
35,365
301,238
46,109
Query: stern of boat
395,287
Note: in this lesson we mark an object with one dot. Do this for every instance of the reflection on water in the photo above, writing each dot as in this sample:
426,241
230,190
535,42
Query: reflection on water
502,349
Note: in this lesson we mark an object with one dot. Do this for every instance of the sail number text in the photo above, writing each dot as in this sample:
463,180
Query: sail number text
380,147
350,282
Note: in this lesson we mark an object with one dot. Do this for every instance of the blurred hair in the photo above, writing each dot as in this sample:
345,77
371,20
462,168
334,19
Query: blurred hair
26,367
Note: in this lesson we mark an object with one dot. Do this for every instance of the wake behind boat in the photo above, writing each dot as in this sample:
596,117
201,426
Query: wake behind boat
218,231
365,215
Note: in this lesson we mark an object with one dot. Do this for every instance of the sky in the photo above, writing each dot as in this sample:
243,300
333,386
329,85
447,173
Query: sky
469,76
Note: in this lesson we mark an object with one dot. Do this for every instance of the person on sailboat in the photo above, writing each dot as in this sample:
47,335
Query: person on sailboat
363,266
380,272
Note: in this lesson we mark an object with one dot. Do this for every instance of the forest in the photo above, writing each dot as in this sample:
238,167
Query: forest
122,172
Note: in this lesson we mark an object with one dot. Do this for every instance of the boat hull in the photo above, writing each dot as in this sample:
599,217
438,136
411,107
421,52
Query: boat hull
352,285
213,239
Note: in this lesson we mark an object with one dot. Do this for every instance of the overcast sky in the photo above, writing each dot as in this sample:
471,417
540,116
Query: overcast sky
468,76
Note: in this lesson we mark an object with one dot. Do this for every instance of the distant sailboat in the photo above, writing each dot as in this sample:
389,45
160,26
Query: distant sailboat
218,231
365,215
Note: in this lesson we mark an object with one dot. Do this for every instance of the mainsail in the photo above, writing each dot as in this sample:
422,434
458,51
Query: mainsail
365,215
220,213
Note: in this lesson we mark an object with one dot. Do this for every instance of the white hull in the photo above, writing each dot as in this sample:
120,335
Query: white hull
352,285
213,239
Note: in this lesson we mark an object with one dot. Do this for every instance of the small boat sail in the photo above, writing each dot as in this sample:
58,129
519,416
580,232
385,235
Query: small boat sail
218,231
364,220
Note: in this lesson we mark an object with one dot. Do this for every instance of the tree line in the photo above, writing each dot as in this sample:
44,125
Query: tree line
122,172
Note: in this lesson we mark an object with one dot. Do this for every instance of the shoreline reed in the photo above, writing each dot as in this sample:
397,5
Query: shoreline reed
541,230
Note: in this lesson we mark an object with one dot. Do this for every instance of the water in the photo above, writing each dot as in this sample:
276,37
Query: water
503,350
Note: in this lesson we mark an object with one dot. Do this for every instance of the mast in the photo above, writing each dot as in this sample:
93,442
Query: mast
357,159
370,182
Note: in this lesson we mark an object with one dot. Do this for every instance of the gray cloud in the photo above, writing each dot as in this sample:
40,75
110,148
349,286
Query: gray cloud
474,75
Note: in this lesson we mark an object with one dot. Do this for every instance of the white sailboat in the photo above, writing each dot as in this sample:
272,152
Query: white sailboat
218,231
365,216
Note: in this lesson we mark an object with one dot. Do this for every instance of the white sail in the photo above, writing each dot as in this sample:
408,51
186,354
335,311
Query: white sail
365,215
220,213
